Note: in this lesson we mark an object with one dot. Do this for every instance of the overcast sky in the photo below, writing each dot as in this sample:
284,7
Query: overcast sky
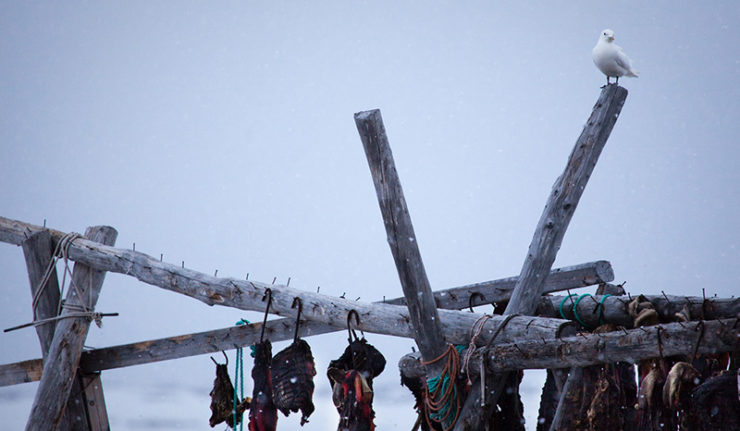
222,135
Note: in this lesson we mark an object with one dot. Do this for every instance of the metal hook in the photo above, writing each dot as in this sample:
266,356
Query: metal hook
351,331
227,359
298,301
268,296
472,296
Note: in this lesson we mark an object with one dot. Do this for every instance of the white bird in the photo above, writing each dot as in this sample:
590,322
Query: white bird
610,58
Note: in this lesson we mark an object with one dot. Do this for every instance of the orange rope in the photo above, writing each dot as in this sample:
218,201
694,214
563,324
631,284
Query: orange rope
435,402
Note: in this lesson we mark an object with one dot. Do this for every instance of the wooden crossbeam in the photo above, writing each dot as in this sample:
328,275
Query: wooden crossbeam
247,295
629,346
181,346
499,291
613,309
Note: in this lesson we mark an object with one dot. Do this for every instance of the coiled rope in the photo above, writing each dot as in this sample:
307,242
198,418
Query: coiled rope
574,308
441,398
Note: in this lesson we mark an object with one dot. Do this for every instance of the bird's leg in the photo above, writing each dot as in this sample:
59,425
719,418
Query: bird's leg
607,80
617,80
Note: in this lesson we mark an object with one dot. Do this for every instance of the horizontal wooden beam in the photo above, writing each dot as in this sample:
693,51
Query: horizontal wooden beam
630,346
247,295
497,291
615,308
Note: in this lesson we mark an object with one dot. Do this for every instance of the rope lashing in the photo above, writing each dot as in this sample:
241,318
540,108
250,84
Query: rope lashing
76,310
600,308
575,310
63,247
475,332
441,398
239,378
563,302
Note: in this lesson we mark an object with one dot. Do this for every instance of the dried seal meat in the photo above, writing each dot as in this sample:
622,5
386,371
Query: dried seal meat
292,376
359,355
351,377
222,398
353,397
262,412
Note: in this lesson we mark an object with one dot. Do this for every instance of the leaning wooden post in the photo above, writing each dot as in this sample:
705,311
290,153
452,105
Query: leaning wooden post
66,346
548,236
37,250
403,243
401,237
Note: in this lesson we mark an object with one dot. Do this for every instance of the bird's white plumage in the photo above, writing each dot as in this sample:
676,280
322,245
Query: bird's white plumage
610,58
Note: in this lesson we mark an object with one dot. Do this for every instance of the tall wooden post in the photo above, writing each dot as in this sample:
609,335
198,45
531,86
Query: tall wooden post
550,230
66,347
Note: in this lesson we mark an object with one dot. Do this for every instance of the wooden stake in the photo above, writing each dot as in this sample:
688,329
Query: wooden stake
66,346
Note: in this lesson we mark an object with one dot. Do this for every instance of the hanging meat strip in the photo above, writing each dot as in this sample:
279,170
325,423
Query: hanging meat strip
222,399
293,370
262,413
353,398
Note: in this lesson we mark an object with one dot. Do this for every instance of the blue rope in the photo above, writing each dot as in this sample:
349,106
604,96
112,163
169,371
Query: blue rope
239,377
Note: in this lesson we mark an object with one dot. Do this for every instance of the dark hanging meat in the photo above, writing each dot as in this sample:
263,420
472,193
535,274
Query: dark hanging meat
715,404
362,357
222,399
292,377
262,413
353,397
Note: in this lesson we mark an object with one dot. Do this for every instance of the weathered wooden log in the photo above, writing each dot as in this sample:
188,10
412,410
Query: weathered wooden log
498,291
401,237
555,218
613,309
630,346
181,346
279,329
247,295
38,250
66,346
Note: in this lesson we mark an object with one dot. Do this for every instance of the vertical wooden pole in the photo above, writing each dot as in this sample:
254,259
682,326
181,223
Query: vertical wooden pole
550,230
66,347
95,402
401,237
38,250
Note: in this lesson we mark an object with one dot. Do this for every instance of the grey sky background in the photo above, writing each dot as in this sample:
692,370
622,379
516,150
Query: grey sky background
222,135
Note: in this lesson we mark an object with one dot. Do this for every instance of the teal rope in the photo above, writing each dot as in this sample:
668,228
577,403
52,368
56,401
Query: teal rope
239,377
600,309
563,302
575,309
442,413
